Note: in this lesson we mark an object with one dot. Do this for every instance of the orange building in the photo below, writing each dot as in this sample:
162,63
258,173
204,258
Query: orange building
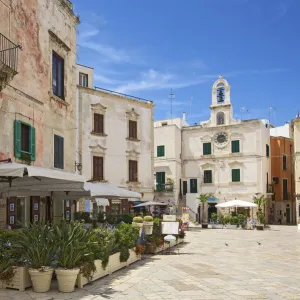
283,207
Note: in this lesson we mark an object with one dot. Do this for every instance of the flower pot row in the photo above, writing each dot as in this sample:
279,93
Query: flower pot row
154,250
114,264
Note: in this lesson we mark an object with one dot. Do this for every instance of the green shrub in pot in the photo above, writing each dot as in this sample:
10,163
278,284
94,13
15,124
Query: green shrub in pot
38,247
75,252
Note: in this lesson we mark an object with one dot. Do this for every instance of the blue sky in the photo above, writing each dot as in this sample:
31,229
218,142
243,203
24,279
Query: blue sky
145,48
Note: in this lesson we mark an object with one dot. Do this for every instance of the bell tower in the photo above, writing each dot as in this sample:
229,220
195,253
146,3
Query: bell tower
221,109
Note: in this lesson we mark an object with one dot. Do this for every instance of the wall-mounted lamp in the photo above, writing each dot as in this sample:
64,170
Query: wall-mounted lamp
78,166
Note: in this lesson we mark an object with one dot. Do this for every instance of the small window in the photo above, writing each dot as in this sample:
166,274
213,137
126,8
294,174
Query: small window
57,75
133,171
98,123
206,148
164,123
267,150
83,79
284,164
160,151
235,146
236,175
220,118
58,152
207,176
98,168
193,186
132,129
24,141
285,189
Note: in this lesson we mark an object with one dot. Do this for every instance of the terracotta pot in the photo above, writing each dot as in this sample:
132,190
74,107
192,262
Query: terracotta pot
66,279
41,280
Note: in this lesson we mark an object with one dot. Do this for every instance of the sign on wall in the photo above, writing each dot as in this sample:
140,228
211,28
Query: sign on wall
169,218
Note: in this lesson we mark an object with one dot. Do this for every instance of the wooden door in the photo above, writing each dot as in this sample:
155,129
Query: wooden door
184,187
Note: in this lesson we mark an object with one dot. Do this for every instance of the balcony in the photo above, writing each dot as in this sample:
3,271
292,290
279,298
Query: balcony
270,189
286,196
160,187
8,60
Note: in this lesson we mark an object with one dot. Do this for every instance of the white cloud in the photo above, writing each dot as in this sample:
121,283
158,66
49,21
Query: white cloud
105,79
155,80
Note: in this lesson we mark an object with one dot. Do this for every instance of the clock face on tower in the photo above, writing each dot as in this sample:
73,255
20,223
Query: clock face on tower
221,139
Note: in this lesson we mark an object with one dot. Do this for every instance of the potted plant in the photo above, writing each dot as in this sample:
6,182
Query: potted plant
227,220
38,249
242,220
148,224
260,201
214,220
137,222
203,199
74,252
233,222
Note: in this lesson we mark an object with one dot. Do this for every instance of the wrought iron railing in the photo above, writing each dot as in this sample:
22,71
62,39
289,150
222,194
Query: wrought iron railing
160,187
8,53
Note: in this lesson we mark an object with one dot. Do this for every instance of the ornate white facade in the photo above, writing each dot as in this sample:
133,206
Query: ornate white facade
222,156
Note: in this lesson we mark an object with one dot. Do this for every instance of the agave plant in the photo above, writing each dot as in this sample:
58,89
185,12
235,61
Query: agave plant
37,245
74,245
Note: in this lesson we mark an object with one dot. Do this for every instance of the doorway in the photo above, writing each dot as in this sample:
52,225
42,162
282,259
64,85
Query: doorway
199,214
184,187
211,210
288,215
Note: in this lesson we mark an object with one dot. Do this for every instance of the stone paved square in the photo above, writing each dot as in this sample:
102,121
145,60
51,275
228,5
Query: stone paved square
205,269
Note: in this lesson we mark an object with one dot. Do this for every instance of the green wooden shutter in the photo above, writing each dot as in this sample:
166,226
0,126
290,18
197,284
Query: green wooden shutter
208,176
193,186
236,175
235,146
267,150
17,138
32,143
206,148
160,151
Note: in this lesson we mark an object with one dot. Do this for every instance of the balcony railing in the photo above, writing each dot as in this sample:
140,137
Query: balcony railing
8,54
160,187
270,188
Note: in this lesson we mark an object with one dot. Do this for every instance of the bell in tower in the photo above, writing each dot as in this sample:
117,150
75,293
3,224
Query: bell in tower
221,95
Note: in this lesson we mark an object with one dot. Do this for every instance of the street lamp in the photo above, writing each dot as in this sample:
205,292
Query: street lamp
78,166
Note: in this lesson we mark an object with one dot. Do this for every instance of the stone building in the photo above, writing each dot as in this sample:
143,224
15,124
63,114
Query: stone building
226,158
115,140
282,209
296,137
37,97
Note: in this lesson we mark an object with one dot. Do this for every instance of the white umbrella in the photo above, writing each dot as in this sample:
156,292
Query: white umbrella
151,203
236,203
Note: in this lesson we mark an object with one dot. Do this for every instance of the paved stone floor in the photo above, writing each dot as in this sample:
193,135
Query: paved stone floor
205,269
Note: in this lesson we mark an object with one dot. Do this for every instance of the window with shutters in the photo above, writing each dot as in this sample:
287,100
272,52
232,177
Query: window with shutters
235,146
83,79
193,186
133,171
160,181
57,75
284,164
132,129
160,151
206,148
58,152
207,176
98,174
236,175
24,141
267,150
98,123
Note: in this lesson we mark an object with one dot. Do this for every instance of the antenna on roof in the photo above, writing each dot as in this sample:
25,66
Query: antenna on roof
271,110
171,97
191,99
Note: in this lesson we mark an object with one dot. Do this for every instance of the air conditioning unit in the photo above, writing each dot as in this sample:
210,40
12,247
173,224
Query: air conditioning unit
275,180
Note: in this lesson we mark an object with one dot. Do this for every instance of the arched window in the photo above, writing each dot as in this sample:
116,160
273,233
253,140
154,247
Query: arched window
220,118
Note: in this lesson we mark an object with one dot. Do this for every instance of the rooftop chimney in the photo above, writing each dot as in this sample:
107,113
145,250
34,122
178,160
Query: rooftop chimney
184,116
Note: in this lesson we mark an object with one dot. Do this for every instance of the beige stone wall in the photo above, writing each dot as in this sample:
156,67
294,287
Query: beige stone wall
40,27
